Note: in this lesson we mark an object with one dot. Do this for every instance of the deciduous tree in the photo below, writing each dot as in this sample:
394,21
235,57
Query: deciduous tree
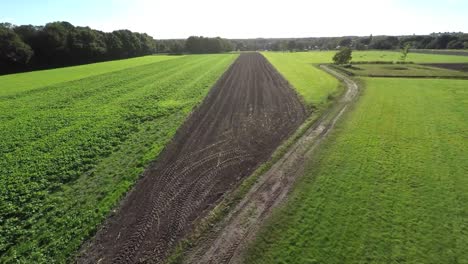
13,51
343,56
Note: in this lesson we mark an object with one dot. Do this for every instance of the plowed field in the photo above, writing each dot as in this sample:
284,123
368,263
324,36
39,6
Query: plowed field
246,115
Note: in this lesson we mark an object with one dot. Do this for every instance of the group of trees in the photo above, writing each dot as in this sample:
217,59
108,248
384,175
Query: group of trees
194,44
438,41
344,55
59,44
207,45
171,46
433,41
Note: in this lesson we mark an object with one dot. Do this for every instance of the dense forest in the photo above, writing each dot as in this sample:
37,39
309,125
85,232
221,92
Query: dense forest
207,45
58,44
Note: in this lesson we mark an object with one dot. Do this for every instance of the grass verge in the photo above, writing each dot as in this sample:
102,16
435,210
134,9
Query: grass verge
388,185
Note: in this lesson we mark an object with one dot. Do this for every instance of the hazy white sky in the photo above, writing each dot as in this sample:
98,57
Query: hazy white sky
247,18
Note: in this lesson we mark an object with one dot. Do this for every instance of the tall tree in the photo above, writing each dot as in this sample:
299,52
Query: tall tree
14,52
86,45
343,56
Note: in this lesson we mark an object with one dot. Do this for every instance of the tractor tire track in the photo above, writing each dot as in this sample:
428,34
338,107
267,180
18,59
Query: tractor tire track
243,119
228,241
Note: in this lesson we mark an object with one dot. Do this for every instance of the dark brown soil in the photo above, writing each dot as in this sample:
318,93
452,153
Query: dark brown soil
451,66
228,240
246,115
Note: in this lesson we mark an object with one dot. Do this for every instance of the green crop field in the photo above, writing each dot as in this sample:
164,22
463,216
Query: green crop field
401,70
70,150
388,186
13,84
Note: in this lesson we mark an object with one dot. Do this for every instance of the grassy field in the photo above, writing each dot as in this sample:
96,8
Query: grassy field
414,57
313,84
316,57
401,70
388,186
70,150
460,52
14,84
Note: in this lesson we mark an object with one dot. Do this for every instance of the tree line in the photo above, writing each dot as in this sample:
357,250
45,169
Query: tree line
207,45
58,44
195,45
432,41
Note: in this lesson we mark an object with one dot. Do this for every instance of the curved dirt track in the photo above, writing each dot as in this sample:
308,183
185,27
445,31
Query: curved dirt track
245,116
229,239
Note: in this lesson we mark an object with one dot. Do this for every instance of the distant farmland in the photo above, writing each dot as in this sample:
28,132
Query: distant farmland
387,185
404,70
315,85
70,149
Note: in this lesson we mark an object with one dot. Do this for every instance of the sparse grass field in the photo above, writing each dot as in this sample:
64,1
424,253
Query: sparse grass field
13,84
388,186
401,70
70,150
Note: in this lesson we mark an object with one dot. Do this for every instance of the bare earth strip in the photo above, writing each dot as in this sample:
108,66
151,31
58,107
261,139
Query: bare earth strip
228,241
244,118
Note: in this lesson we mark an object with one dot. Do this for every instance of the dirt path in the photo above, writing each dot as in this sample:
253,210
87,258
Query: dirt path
244,118
229,240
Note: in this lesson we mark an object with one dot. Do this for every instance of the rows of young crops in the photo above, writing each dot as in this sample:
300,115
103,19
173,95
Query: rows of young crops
68,151
14,84
388,186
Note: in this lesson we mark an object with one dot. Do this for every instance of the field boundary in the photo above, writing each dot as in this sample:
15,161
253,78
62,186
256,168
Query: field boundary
350,74
264,190
231,199
243,119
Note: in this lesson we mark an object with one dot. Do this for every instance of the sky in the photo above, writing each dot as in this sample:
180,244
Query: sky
247,18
